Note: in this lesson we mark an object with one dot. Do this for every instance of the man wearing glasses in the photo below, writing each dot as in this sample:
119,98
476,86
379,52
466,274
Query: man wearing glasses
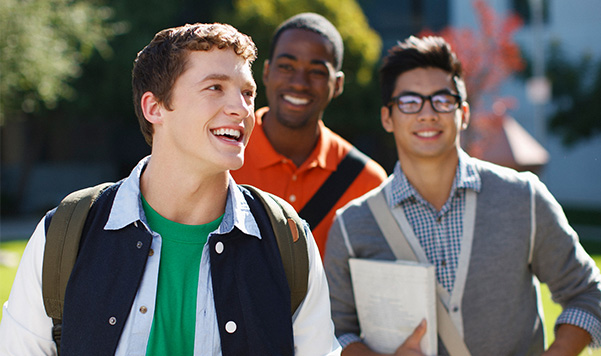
490,232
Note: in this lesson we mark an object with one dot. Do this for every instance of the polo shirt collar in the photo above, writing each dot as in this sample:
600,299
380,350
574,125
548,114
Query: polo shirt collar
321,156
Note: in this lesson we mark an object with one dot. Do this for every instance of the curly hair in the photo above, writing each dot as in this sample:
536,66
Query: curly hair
164,59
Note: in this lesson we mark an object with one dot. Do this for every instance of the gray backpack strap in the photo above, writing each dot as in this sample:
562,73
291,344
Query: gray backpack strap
60,252
292,243
450,336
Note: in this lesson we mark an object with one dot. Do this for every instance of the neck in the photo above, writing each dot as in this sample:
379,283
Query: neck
432,178
294,143
183,195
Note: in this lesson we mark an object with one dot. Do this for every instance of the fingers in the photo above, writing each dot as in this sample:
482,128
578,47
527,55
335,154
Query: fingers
414,339
411,346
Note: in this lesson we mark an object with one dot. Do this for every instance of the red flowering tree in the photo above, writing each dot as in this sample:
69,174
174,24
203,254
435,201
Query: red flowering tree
489,55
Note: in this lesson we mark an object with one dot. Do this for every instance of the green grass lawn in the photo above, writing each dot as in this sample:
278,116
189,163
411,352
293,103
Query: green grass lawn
10,254
14,250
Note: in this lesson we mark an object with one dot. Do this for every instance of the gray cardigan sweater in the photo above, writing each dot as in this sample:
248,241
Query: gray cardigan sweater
517,221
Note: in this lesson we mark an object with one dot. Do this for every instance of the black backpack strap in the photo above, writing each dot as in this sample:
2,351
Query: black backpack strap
334,187
60,252
292,243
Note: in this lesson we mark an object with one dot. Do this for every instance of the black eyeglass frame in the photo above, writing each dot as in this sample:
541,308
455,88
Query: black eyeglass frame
458,98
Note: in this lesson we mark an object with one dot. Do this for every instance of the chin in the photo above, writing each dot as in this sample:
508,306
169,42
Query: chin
236,164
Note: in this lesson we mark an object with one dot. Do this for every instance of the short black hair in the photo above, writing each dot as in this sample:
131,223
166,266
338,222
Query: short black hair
424,52
311,21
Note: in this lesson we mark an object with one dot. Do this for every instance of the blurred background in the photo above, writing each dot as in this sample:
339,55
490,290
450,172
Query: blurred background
533,75
67,121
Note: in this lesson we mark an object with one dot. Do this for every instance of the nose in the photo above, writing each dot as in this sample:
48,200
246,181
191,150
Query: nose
427,112
300,79
240,106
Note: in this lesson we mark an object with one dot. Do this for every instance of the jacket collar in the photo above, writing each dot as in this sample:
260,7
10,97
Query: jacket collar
127,207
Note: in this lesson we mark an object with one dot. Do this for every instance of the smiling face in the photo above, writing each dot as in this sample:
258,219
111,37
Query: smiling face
426,134
212,112
301,79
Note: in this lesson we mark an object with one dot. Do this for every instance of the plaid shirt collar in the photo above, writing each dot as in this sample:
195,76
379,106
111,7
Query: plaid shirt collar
466,177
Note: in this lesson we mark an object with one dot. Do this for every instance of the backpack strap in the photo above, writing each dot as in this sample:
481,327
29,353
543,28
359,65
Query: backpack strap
292,243
332,189
60,252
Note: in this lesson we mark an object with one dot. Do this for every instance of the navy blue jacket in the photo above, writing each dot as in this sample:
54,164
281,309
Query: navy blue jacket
249,286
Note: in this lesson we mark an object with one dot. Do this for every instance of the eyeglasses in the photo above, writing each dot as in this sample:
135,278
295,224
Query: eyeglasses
412,103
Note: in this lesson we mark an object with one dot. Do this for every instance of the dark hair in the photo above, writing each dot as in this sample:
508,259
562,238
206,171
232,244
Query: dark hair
414,53
164,59
312,22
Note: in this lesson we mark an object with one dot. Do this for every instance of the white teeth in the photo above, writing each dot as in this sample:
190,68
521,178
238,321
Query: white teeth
427,133
295,100
227,132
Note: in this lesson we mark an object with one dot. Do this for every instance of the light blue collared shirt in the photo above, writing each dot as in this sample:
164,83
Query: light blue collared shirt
127,209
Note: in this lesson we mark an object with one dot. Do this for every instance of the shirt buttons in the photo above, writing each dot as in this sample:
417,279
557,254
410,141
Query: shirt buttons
219,247
455,309
292,198
112,320
139,244
143,309
230,327
151,252
294,178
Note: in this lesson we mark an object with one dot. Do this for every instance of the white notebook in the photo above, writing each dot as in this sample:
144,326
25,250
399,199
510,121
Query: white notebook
392,298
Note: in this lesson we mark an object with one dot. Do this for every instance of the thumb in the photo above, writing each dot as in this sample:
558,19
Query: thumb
414,339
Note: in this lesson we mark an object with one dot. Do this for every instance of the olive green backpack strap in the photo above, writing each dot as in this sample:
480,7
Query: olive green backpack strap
292,241
60,252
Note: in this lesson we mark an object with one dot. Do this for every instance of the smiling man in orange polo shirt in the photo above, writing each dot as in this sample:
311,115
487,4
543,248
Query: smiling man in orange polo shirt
292,153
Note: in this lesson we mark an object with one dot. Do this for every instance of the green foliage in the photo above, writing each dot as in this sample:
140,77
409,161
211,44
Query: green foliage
357,109
10,255
576,92
576,89
43,45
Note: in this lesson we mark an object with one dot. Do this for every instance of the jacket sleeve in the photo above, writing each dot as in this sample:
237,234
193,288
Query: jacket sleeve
344,313
560,261
25,328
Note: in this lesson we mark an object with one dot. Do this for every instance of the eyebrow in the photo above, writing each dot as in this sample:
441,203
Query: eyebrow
441,91
217,76
313,61
225,78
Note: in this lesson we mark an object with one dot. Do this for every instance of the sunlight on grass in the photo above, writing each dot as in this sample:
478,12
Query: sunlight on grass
10,254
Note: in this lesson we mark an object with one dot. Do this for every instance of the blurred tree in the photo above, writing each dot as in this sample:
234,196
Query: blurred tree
576,91
356,112
44,43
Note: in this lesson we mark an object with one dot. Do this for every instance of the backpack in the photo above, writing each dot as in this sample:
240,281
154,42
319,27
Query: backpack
65,229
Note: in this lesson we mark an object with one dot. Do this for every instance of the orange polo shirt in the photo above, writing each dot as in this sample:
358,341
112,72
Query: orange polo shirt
268,170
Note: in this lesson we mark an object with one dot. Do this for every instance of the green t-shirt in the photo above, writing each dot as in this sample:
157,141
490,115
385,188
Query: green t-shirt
174,322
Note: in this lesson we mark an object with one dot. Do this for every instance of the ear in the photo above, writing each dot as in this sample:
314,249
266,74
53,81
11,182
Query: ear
386,118
339,85
465,115
265,70
151,108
